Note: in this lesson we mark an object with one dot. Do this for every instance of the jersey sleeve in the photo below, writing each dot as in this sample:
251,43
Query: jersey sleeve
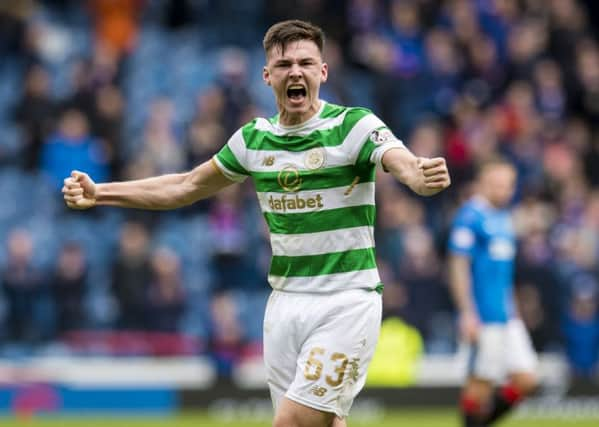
231,159
462,236
375,140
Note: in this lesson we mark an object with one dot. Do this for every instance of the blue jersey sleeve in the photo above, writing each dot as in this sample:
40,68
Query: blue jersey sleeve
462,237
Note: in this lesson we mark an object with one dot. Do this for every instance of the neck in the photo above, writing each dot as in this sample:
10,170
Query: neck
489,201
291,119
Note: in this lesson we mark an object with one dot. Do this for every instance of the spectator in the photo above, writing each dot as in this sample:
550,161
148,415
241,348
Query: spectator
233,81
165,297
116,24
206,132
550,95
227,337
581,330
82,90
24,289
534,316
131,276
229,240
35,113
161,149
587,82
107,125
13,23
486,74
420,273
68,287
73,147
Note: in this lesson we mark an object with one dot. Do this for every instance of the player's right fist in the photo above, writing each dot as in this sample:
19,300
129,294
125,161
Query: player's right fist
79,191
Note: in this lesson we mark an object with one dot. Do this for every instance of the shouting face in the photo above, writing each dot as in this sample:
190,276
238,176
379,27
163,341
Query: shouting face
295,73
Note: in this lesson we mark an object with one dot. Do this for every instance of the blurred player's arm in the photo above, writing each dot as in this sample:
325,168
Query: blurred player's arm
157,193
460,283
424,176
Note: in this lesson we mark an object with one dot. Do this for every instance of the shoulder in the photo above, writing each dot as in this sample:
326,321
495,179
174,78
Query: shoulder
355,114
334,110
359,120
348,113
254,129
469,213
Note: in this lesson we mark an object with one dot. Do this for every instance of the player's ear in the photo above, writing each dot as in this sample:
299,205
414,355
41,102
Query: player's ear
324,72
266,76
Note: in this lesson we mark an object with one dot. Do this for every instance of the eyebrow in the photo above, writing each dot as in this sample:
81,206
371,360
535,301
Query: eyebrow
288,60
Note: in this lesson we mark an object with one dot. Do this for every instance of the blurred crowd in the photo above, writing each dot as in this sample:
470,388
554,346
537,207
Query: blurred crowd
124,89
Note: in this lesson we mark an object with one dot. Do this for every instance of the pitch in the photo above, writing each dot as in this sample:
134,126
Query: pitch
408,418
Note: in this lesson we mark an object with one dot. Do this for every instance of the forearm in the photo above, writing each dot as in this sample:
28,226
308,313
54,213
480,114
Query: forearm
405,169
423,176
460,283
165,191
156,193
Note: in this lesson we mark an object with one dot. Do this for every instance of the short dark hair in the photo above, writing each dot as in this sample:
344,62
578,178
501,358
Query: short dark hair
285,32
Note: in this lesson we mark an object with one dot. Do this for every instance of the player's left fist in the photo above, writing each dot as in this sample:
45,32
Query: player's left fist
435,175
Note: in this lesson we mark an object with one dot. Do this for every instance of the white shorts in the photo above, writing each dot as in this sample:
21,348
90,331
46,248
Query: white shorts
502,349
317,347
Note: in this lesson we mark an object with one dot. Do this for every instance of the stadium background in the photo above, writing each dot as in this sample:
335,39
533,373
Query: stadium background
128,308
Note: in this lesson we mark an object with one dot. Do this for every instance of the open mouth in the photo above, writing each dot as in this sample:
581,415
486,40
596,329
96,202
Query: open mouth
296,93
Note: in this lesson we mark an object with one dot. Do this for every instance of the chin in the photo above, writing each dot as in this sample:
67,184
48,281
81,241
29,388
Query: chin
298,109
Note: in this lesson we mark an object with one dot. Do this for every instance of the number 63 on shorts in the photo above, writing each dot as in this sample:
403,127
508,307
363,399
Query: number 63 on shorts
314,366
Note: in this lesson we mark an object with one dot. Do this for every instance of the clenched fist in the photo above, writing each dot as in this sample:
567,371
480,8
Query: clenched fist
436,175
79,191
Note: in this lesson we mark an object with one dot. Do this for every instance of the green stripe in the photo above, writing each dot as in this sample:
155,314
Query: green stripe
318,179
228,159
365,153
263,140
331,110
314,222
317,265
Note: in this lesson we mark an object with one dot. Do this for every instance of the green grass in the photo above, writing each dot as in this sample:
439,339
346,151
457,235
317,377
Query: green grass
408,418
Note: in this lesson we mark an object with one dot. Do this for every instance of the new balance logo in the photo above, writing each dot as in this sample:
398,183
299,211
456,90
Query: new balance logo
268,161
318,391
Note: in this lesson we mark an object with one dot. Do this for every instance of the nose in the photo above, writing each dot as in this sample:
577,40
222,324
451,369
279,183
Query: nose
295,71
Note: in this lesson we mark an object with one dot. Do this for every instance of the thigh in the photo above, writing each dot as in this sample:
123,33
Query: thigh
281,347
333,361
487,356
293,414
521,357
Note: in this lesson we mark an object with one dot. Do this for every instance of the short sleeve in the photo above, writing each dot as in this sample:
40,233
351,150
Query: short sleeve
462,237
231,158
377,141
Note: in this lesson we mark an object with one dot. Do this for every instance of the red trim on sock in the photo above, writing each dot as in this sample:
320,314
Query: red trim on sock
511,394
470,405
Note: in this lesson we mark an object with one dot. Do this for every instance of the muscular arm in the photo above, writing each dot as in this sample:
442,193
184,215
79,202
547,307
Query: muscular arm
157,193
425,177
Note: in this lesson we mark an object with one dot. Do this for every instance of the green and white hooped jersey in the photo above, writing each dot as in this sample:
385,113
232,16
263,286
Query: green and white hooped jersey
315,185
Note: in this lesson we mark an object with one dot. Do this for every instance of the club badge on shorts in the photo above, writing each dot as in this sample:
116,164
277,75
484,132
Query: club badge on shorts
315,158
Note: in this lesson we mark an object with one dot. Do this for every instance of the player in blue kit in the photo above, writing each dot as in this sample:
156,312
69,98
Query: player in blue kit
482,249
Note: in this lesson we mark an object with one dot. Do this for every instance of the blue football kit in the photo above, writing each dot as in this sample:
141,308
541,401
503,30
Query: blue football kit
486,236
